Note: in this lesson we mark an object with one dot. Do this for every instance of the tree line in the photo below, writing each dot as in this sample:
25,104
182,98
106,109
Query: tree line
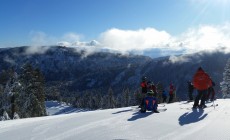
22,95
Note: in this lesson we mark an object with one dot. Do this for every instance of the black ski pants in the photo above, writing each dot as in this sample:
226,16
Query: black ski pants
200,96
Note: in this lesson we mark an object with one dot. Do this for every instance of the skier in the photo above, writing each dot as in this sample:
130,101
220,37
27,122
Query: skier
144,85
144,89
164,96
212,92
171,92
153,88
190,91
201,82
150,103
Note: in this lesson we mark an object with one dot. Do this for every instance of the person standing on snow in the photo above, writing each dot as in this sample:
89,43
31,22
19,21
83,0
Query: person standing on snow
190,91
164,96
171,92
201,82
144,90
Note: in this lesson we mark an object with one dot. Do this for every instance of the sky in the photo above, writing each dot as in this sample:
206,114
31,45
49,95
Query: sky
178,122
142,26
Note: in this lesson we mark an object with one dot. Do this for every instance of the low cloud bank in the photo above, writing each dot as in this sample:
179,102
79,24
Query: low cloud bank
148,41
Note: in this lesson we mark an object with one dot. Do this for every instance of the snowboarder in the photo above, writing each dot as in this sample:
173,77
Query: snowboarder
171,92
201,82
190,91
150,103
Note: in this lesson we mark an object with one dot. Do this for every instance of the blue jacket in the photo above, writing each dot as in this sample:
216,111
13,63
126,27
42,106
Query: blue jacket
150,103
164,93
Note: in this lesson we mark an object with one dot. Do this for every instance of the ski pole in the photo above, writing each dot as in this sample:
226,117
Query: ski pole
214,104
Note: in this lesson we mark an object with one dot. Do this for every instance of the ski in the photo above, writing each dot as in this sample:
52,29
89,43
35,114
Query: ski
159,105
137,107
159,110
162,109
213,105
191,108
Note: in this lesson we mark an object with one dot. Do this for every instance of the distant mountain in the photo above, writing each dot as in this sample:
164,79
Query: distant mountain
73,70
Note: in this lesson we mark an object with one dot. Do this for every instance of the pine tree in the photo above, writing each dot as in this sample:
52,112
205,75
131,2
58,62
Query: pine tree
111,101
32,96
225,84
9,94
125,98
5,116
160,89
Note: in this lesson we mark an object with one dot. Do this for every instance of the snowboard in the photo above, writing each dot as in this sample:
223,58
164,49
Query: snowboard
159,109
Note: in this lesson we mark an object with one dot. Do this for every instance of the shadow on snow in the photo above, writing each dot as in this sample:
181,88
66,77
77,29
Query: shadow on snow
122,111
139,115
192,117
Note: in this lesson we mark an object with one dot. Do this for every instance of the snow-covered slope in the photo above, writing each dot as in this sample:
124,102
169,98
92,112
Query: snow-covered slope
57,108
177,123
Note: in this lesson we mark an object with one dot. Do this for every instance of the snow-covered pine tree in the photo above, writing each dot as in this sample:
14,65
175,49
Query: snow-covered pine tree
10,92
5,116
225,84
16,116
32,96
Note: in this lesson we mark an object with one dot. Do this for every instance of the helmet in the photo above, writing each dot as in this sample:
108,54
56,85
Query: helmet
144,78
150,92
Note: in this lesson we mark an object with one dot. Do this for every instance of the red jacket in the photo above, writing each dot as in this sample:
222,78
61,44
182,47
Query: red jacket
144,86
201,80
171,89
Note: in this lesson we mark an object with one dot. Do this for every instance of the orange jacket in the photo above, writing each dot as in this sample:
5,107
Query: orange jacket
201,80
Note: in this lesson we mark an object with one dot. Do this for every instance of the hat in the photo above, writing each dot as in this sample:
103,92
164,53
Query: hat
200,68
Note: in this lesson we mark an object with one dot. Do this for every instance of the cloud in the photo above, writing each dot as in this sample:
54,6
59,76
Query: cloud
148,41
205,38
40,41
127,40
71,37
151,41
39,38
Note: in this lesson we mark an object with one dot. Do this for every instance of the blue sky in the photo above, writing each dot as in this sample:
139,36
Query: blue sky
47,22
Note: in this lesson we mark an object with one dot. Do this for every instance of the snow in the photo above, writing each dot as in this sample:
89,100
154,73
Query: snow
179,122
57,108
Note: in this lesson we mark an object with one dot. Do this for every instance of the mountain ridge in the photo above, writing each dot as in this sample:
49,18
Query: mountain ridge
74,70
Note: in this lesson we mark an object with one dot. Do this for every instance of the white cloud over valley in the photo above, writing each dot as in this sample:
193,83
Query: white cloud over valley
148,41
202,38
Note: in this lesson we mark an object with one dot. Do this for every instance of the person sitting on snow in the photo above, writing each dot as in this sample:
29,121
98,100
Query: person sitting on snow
150,103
